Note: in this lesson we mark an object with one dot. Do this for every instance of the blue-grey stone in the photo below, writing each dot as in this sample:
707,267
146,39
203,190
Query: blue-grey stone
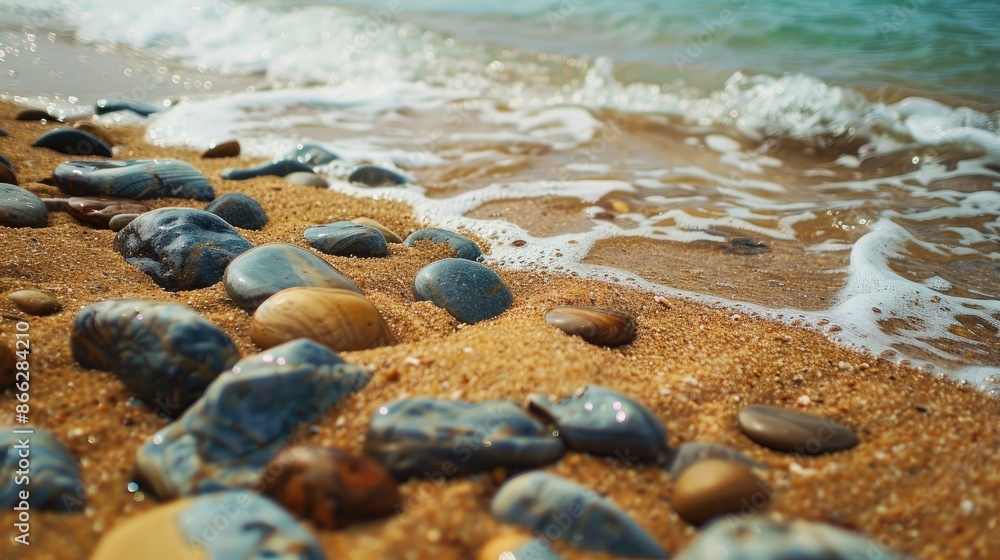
139,179
687,454
6,162
3,132
464,247
21,208
760,538
52,478
180,248
165,353
74,142
375,176
535,549
311,154
442,438
604,422
348,239
104,106
277,168
239,210
260,273
559,509
245,416
467,290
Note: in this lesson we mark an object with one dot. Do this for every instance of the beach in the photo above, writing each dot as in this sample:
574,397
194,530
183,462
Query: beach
923,480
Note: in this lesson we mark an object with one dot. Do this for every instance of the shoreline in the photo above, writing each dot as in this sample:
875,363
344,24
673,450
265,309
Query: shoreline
924,479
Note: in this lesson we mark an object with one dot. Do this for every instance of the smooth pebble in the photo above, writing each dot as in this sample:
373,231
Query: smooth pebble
375,176
467,290
464,247
277,168
239,210
715,487
74,142
104,106
53,471
687,454
347,239
138,179
306,179
792,431
99,210
21,208
34,302
222,150
390,236
598,326
119,221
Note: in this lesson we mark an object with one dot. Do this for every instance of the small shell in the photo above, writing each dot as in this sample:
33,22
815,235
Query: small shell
340,319
603,327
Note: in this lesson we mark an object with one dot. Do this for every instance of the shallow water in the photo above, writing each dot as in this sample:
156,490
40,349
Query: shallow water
835,167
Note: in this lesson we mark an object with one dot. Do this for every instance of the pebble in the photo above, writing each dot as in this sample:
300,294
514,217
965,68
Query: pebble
792,431
6,162
222,150
244,418
277,168
347,239
601,327
306,179
104,106
56,204
440,438
54,472
74,142
21,208
118,222
98,210
239,210
516,546
558,509
8,367
234,525
138,179
375,176
180,248
687,454
600,421
34,302
3,132
467,290
165,353
7,174
311,154
343,320
264,271
97,131
714,487
35,115
330,487
463,246
390,236
761,538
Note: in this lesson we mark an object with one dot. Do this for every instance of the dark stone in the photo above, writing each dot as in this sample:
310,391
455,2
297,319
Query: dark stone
7,174
222,150
164,353
56,204
793,431
260,273
550,505
687,454
464,247
244,418
36,115
375,176
54,473
603,422
467,290
239,210
347,239
180,248
311,154
73,142
139,179
415,436
602,327
21,208
104,106
277,168
98,210
747,246
118,222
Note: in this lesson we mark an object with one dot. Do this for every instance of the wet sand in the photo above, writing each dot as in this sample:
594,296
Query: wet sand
923,481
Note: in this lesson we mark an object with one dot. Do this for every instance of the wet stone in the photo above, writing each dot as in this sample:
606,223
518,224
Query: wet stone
118,222
8,366
277,168
416,436
222,150
190,529
464,247
516,546
600,421
96,130
390,236
73,142
306,179
35,115
34,302
311,154
687,454
239,210
540,501
467,290
347,239
715,487
56,204
98,210
7,174
330,487
3,132
264,271
104,106
760,538
180,248
55,483
163,352
244,418
6,162
21,208
340,319
792,431
138,179
602,327
375,176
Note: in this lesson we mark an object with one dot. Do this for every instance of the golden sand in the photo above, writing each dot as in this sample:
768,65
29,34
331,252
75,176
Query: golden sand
925,479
